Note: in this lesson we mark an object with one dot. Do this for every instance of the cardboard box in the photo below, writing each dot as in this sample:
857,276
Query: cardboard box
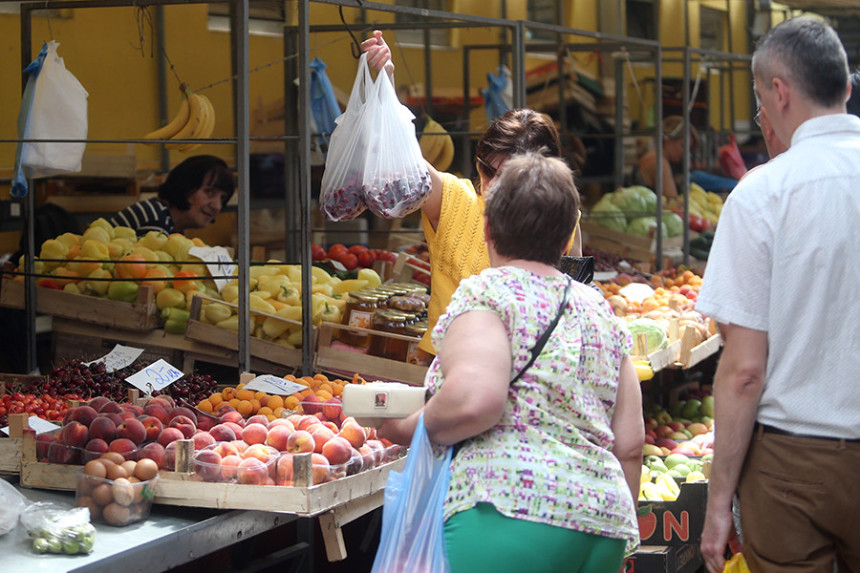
677,559
676,522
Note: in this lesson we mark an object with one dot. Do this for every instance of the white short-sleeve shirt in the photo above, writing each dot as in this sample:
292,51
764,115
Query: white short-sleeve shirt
786,260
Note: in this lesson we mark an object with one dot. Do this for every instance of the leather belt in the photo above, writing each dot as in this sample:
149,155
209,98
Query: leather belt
762,428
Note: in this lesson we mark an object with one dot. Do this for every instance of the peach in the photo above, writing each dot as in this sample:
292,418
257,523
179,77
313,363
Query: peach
294,419
331,426
257,419
169,435
103,427
300,442
202,439
226,449
284,471
206,422
223,433
60,453
368,456
252,471
132,429
95,448
282,422
356,463
277,437
126,414
354,434
110,407
321,468
378,451
237,428
181,411
97,402
43,442
232,416
229,467
157,409
305,422
240,445
332,408
124,446
311,404
170,455
155,452
185,425
112,416
321,435
261,452
254,434
133,408
337,450
74,434
207,464
83,414
153,427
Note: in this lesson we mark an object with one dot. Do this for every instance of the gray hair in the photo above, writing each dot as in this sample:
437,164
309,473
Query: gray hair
808,54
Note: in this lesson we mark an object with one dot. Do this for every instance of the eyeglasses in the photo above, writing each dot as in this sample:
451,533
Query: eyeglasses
757,117
486,169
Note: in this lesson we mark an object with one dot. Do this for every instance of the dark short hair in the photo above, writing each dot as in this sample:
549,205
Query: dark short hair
532,208
853,104
518,131
808,53
190,175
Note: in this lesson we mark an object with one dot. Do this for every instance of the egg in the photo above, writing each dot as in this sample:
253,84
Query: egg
95,468
123,491
115,472
116,514
146,469
102,494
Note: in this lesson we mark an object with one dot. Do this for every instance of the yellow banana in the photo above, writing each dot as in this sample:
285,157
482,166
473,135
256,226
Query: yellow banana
430,143
177,123
443,161
207,126
195,118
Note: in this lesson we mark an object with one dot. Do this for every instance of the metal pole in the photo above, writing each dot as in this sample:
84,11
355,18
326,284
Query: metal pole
161,73
518,57
619,122
292,202
466,142
686,165
305,182
428,74
242,161
29,210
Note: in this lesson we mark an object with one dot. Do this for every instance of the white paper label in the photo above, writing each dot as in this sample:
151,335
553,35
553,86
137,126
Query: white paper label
38,424
271,384
118,358
157,376
218,261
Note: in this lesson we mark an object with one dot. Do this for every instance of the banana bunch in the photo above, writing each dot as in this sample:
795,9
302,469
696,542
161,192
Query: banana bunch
194,120
705,204
437,147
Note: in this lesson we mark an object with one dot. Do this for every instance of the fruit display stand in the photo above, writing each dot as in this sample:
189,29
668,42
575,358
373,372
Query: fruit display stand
139,316
626,245
266,356
340,361
11,448
335,503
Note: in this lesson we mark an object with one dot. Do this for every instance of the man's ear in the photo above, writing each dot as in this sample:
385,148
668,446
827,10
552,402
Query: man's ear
486,230
782,90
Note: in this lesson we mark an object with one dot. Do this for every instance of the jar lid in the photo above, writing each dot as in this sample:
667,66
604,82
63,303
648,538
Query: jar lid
390,315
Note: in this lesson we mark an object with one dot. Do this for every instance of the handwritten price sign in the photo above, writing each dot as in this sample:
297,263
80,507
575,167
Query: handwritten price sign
156,376
273,385
118,358
218,261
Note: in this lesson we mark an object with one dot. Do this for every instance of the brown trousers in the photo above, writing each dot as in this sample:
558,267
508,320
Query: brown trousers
800,504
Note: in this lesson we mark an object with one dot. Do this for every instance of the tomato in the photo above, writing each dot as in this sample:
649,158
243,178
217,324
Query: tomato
348,260
366,258
383,255
318,253
356,249
337,250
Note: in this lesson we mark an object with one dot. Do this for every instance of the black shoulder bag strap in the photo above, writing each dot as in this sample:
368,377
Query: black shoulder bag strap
535,351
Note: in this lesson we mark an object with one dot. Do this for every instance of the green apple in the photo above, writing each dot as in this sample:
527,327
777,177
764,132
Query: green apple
707,408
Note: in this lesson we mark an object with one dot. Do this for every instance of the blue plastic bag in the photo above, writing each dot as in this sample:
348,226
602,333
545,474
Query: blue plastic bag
412,537
324,104
498,94
19,180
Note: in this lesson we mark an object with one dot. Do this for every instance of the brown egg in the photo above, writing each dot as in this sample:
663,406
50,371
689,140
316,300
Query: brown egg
146,469
123,491
115,457
129,466
90,503
95,468
102,494
115,472
116,514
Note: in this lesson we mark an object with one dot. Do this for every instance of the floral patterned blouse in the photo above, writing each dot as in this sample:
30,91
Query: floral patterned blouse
549,459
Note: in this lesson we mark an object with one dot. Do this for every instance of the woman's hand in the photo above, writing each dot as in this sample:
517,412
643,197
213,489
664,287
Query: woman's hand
378,54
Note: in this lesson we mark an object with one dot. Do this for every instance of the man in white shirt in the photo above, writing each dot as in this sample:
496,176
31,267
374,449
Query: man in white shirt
781,275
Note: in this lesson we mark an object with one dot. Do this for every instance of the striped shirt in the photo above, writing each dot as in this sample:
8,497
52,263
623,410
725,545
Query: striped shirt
144,216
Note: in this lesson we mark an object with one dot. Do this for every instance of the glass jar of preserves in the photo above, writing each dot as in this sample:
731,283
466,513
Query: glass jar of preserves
359,310
415,355
407,304
385,346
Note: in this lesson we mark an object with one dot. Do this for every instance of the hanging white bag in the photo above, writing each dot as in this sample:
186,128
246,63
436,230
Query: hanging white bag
58,111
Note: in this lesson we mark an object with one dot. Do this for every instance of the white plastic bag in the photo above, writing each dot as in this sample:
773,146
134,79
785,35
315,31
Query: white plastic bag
396,179
341,197
12,503
58,528
58,111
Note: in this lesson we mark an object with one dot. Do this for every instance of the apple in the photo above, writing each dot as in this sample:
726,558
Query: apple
667,443
132,429
300,442
647,524
651,423
337,450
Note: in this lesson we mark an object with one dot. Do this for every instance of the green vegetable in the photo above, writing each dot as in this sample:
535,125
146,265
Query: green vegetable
40,545
631,201
644,225
674,223
123,291
655,335
608,215
176,319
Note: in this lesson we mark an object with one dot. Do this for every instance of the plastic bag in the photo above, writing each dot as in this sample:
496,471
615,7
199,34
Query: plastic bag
12,503
58,111
499,94
341,196
737,564
731,160
412,537
396,179
56,528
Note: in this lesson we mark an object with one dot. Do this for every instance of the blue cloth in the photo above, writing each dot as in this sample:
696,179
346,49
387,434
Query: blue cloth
19,180
494,103
324,104
711,182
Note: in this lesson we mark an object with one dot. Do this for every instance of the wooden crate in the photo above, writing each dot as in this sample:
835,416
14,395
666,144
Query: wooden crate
141,315
11,448
211,335
369,367
624,244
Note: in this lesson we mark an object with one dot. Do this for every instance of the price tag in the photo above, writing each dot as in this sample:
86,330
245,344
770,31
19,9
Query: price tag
118,358
156,376
273,385
218,261
38,424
